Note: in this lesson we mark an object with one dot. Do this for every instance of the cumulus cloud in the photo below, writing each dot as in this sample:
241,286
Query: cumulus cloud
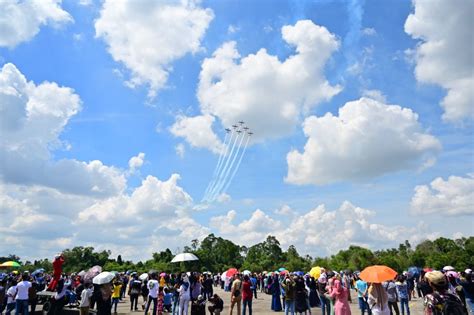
20,21
180,150
147,36
444,53
248,232
197,131
136,162
355,226
454,196
268,94
367,139
32,118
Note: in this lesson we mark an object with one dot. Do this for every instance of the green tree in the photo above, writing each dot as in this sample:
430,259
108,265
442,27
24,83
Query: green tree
82,258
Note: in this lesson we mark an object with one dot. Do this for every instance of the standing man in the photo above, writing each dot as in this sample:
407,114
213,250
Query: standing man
289,287
361,288
153,286
236,294
253,281
22,289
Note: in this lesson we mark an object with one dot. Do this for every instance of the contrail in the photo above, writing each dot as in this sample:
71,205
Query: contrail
237,167
227,171
223,170
221,155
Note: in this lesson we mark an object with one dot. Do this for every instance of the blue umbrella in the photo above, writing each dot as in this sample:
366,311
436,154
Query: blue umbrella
37,271
414,271
299,273
281,269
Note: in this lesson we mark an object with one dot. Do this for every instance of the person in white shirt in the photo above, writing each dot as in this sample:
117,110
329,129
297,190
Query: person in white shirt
85,299
22,294
184,297
11,296
153,287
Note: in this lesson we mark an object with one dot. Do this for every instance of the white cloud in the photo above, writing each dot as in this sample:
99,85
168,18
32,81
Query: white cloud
367,139
180,150
454,196
375,94
444,54
136,162
268,94
224,198
147,37
197,131
369,31
354,226
232,29
20,21
32,118
247,232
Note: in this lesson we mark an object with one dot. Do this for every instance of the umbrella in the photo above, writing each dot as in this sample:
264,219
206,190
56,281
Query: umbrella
163,274
103,278
415,271
81,273
37,271
452,273
299,273
143,276
284,272
184,257
448,268
377,274
10,264
91,273
231,272
247,272
281,269
427,269
224,276
315,272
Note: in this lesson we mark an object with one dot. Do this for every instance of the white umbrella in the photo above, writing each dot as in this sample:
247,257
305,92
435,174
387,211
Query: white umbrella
247,272
448,268
184,257
103,278
224,275
143,276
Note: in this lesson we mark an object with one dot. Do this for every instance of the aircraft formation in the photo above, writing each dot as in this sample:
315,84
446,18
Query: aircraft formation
233,151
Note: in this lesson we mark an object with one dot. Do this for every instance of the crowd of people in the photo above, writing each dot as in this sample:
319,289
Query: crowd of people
156,293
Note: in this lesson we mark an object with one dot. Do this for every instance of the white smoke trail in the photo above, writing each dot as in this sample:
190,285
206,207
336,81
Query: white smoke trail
219,162
236,167
221,183
223,171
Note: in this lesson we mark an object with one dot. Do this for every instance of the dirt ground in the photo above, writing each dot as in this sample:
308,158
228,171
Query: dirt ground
261,305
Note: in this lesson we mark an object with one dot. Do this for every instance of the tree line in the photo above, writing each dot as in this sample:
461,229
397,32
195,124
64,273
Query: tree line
217,254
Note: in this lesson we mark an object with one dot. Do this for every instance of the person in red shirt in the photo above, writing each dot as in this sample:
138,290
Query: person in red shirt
57,271
247,295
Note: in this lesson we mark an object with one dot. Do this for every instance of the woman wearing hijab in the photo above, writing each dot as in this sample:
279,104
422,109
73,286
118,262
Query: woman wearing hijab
184,297
341,304
378,300
275,290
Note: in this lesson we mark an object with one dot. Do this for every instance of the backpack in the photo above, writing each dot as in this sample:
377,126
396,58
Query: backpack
449,304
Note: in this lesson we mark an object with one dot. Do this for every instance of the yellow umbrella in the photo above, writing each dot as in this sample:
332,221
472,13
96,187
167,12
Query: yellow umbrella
315,272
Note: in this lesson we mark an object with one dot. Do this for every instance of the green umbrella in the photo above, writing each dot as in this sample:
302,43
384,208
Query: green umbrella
10,264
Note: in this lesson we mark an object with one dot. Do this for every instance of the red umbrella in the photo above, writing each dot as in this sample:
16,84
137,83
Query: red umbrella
283,272
231,272
427,269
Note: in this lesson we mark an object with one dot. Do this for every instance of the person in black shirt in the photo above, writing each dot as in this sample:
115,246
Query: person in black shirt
217,305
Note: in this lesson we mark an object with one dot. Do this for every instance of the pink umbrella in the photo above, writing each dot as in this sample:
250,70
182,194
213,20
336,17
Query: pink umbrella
453,274
231,272
163,274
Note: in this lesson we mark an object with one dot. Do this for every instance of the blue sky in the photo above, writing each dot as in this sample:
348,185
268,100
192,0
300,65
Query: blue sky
330,153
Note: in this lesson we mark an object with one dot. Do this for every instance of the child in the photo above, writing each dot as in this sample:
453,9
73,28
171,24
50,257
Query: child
160,301
116,295
167,298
